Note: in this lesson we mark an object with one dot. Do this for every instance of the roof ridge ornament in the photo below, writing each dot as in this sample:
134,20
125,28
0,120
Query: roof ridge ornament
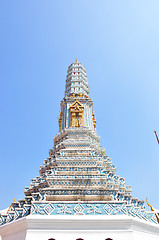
153,210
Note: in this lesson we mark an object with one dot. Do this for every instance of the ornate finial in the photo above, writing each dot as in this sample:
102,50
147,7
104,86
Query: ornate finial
153,210
76,59
149,205
156,136
9,209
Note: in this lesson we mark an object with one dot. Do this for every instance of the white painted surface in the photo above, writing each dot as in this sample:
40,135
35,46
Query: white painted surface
73,227
4,211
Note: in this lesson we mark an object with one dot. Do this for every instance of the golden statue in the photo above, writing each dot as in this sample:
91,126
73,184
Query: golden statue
77,114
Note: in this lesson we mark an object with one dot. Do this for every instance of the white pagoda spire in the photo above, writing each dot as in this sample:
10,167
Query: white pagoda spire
77,178
76,80
77,106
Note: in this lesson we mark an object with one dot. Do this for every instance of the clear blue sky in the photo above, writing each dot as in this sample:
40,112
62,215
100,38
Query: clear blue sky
118,43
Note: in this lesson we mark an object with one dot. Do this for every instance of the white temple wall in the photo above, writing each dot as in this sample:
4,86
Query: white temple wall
74,227
73,235
144,236
38,234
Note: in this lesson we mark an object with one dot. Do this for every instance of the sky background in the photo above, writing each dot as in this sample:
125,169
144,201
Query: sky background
118,43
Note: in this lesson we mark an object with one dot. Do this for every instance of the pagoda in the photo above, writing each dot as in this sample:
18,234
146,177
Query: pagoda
77,186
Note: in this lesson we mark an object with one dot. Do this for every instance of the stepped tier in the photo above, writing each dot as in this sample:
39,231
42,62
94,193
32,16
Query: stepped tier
78,167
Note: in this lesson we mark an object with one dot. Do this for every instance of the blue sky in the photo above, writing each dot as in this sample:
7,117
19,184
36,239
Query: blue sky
118,43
